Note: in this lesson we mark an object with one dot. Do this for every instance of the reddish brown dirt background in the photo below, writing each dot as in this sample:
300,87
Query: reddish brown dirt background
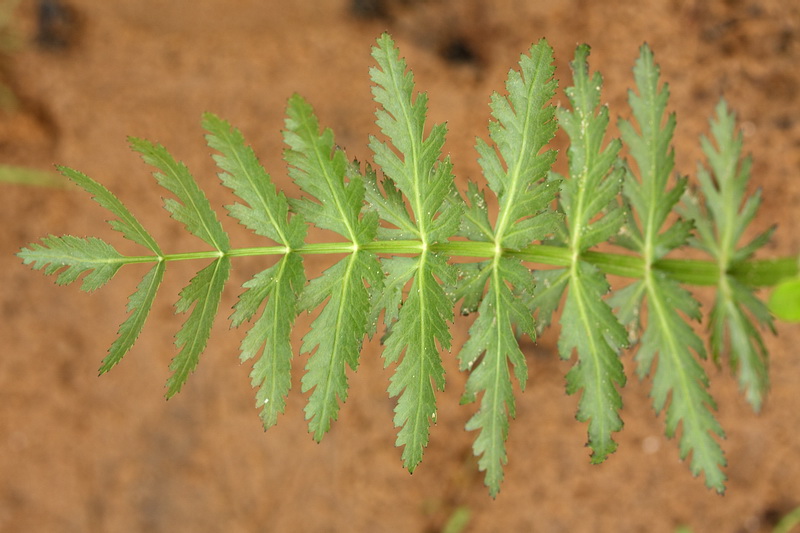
81,453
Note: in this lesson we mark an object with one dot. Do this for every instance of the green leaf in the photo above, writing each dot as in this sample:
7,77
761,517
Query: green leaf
202,295
139,305
391,208
515,169
589,327
84,254
721,222
649,144
398,271
427,182
595,178
547,294
679,377
420,174
78,255
191,207
785,300
337,334
733,327
278,285
125,223
524,125
266,210
421,323
319,168
475,224
393,235
471,285
493,336
592,214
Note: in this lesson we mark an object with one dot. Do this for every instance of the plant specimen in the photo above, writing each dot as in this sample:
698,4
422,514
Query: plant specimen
411,245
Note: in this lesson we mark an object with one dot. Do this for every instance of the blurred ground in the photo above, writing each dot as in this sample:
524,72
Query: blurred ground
78,453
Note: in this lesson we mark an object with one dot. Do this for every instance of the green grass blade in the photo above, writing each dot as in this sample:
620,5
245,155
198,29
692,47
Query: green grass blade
139,305
191,207
202,295
21,175
125,222
266,210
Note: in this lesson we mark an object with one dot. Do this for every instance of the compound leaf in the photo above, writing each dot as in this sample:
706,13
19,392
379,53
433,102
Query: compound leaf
415,209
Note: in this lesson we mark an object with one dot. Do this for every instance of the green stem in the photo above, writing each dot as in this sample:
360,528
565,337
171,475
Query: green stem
757,273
